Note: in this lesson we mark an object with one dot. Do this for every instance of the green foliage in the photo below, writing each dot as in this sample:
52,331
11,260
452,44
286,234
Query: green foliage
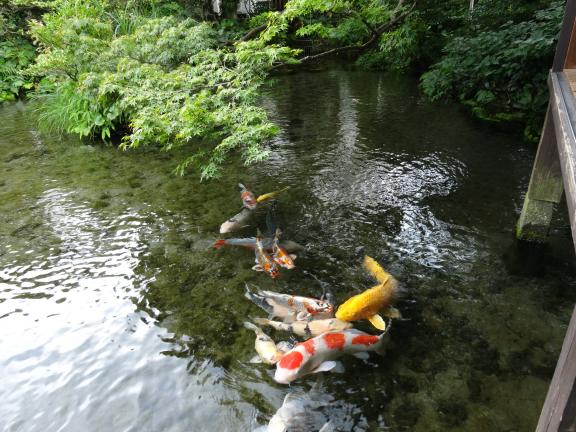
401,46
337,22
15,55
500,74
167,83
16,51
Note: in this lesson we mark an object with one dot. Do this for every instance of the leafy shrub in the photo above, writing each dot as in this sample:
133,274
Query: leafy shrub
166,82
16,51
500,74
15,55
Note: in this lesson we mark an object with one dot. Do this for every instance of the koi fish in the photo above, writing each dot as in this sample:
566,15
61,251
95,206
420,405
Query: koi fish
306,328
263,261
270,195
236,222
290,308
279,254
248,198
367,304
298,413
250,243
318,354
266,348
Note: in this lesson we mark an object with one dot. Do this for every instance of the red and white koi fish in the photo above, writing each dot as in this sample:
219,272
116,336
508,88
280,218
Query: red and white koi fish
268,351
318,354
248,198
306,328
280,255
290,308
264,262
267,244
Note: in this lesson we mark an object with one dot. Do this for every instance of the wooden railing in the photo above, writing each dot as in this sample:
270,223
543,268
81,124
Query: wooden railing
554,172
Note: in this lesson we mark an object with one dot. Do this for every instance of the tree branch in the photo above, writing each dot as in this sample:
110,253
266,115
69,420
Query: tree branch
376,33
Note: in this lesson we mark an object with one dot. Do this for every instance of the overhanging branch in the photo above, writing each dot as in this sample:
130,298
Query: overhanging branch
376,33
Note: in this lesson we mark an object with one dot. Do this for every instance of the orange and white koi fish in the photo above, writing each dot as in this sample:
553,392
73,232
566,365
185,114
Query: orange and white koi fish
290,308
306,328
280,255
268,351
318,354
248,198
264,262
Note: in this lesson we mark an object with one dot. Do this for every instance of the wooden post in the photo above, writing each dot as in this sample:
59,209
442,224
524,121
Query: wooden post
545,189
559,408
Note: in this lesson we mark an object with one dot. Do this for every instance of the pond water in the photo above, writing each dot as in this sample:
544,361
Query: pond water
117,315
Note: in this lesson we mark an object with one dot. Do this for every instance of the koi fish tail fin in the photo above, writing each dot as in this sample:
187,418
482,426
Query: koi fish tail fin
271,219
258,300
252,327
376,270
219,243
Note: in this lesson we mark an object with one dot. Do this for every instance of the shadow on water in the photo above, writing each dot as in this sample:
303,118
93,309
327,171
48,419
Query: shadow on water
116,314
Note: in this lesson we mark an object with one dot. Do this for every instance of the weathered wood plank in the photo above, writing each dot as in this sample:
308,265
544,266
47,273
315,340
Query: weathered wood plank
565,56
545,189
571,75
563,109
557,407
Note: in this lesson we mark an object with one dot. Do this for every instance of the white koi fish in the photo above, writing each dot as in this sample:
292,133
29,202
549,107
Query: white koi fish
250,243
318,354
306,328
298,413
236,222
290,308
268,351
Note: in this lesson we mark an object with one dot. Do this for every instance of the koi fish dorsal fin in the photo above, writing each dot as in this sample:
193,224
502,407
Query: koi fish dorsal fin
377,321
392,312
375,269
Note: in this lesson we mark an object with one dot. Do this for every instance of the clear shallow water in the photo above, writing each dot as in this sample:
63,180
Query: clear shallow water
116,315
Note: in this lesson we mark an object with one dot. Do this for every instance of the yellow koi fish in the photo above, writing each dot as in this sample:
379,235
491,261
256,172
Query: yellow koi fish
367,304
270,195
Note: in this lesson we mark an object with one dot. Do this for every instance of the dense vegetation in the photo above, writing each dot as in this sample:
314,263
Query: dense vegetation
169,74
